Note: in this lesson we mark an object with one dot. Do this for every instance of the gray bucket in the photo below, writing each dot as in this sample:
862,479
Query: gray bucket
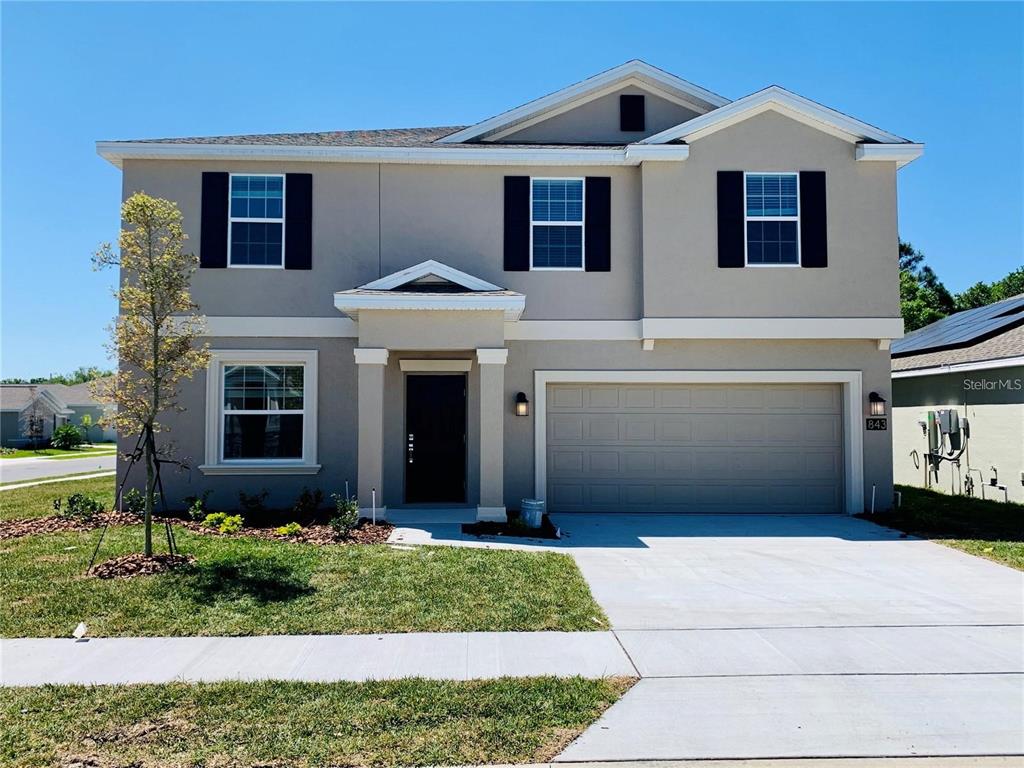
531,512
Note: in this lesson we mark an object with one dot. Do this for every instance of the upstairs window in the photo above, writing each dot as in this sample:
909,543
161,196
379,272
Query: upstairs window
256,222
556,224
772,219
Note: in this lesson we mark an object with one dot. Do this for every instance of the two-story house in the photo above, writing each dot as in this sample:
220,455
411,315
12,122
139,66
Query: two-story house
632,295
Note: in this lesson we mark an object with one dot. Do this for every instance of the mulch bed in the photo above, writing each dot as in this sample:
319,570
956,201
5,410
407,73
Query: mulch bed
314,533
512,529
127,566
14,529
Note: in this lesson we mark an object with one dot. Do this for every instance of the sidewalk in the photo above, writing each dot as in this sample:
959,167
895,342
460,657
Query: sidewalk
436,655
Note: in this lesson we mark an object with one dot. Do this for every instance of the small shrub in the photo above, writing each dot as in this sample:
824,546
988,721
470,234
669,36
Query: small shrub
346,515
308,503
197,505
292,529
78,506
134,501
223,522
252,504
7,451
66,437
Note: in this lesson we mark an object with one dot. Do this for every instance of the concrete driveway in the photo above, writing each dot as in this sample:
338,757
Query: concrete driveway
800,636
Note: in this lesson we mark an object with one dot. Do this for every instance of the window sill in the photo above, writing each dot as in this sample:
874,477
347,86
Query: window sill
264,468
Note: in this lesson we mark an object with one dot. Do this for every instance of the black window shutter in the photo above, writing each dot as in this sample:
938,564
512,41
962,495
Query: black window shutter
813,222
517,223
298,221
213,225
598,235
631,112
731,237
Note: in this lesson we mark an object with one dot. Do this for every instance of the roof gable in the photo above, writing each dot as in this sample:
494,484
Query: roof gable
430,272
785,102
633,72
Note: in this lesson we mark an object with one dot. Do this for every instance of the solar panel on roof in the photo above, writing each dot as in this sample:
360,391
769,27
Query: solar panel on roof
963,328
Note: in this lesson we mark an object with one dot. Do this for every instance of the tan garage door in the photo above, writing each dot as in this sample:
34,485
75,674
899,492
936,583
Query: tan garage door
700,448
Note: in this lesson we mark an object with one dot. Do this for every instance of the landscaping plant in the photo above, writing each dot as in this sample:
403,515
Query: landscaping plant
197,505
66,437
292,529
224,522
346,515
79,506
134,502
156,335
308,503
253,504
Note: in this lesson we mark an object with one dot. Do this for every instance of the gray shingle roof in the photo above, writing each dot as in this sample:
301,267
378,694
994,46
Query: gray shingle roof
384,137
1008,344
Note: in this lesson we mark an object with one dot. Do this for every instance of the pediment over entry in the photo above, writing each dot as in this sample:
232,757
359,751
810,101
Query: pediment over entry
431,285
430,274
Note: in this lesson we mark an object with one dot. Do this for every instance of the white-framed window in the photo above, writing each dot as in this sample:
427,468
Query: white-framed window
772,207
556,224
256,221
261,410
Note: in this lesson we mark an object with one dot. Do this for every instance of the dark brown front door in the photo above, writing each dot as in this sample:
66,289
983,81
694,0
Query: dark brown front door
435,447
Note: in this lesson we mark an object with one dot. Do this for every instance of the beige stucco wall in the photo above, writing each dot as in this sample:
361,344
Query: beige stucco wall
337,408
454,214
430,330
996,418
598,121
681,276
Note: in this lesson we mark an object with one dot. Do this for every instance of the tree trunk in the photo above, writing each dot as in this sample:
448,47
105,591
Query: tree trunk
150,449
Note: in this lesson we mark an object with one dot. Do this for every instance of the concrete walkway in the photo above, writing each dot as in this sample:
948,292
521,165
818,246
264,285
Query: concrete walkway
438,656
62,479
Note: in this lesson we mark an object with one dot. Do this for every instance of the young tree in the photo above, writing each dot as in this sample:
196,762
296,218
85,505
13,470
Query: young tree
155,336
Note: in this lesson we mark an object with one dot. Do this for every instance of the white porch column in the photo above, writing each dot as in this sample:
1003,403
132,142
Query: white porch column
492,440
370,404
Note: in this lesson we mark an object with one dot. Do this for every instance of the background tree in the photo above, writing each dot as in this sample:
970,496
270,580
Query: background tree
85,424
981,293
923,297
78,376
31,420
155,336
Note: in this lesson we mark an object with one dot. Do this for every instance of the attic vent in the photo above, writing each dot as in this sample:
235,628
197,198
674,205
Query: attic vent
631,112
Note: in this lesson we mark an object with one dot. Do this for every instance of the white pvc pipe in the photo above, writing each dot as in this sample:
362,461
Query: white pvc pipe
873,487
373,507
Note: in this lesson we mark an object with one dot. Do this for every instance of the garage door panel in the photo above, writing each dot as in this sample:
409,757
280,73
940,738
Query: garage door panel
695,448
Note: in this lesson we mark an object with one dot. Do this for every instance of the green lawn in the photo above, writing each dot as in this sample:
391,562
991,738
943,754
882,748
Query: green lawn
249,586
61,453
990,529
37,501
402,723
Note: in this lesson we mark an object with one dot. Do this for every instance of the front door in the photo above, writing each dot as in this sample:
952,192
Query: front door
435,447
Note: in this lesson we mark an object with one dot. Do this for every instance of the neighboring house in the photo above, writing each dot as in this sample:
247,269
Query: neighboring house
688,298
49,406
973,363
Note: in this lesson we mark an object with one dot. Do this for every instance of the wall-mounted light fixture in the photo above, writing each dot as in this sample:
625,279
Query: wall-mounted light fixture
522,404
876,404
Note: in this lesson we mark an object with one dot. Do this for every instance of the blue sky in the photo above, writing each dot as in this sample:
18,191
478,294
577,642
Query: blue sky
947,74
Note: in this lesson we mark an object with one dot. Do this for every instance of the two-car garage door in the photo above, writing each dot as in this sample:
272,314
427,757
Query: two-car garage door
700,448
